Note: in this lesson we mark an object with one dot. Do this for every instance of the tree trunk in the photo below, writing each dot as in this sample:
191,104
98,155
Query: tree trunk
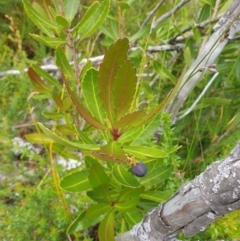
195,205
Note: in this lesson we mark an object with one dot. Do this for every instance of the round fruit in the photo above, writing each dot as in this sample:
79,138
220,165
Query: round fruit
139,169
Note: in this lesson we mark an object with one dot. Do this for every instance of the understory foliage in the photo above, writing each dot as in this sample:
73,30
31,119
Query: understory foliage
109,116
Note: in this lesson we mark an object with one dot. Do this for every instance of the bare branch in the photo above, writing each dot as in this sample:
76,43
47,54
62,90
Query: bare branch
170,13
152,13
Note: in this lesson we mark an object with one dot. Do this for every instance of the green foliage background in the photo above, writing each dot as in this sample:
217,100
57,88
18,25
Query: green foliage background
32,202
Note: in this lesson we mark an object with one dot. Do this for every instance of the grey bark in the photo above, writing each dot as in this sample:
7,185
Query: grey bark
197,204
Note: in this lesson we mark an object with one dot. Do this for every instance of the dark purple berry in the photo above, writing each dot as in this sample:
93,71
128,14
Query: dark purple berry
139,170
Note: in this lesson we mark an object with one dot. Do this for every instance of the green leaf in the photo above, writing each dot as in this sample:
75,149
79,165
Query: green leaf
133,217
81,223
126,206
76,182
49,41
70,8
38,138
92,20
47,77
114,57
36,80
97,210
97,176
106,228
83,136
128,192
97,195
83,111
156,196
141,33
147,131
124,178
100,180
86,19
111,152
62,21
90,91
63,63
145,152
124,88
67,143
131,134
40,21
157,175
132,119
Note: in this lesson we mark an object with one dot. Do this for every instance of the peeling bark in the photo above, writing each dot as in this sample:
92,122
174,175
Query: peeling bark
196,205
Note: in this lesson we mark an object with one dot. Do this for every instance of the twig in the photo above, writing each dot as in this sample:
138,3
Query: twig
152,13
197,25
168,14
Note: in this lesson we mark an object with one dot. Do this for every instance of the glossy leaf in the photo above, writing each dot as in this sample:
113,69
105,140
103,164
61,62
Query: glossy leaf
38,138
86,19
67,143
98,195
63,63
97,210
156,196
92,20
132,119
124,87
47,77
81,223
133,217
76,182
99,180
128,192
83,111
157,175
111,152
90,91
131,134
106,228
144,151
35,78
70,9
97,176
82,135
49,41
124,178
147,131
43,23
62,21
44,6
126,206
114,57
